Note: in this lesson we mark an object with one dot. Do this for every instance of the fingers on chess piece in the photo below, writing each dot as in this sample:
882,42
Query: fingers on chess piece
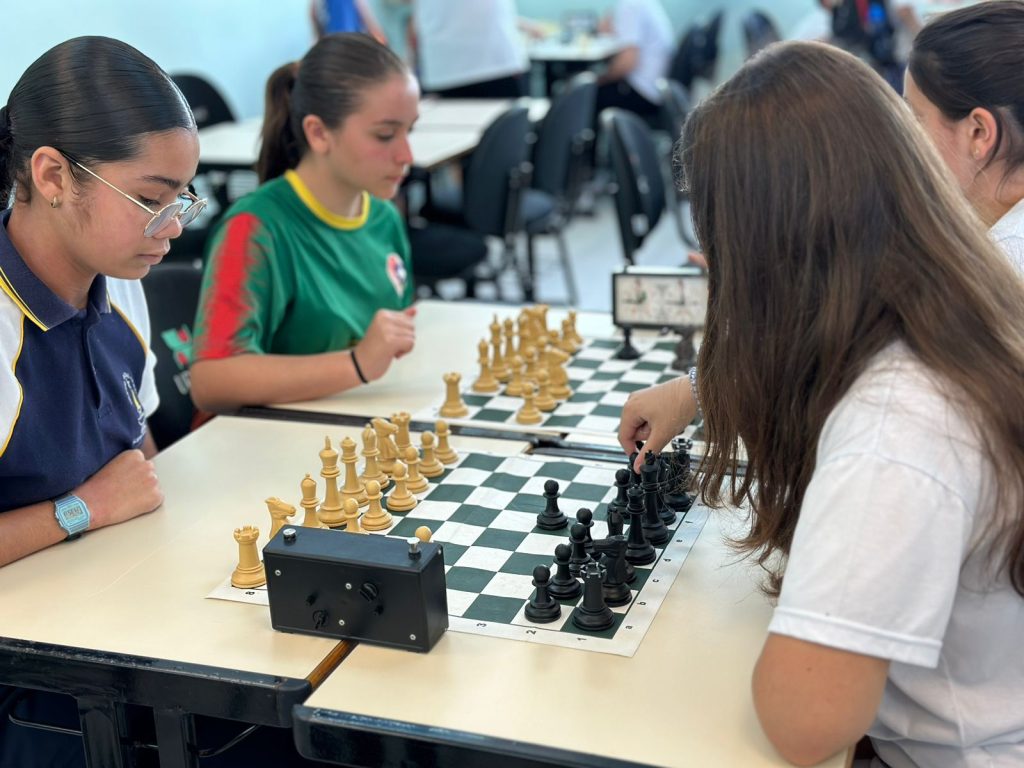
444,451
351,507
249,572
542,608
376,518
551,518
279,514
400,499
429,464
453,406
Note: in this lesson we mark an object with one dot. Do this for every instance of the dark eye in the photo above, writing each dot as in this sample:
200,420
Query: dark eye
385,138
149,203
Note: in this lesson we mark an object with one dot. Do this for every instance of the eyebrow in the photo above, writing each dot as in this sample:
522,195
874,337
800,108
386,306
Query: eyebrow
172,183
395,123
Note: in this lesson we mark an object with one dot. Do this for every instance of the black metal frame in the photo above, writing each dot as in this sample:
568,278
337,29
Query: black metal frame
103,683
359,740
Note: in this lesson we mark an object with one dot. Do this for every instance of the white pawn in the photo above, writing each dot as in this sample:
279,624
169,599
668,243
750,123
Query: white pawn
544,401
429,465
528,414
445,453
352,516
309,503
416,482
485,381
400,500
376,518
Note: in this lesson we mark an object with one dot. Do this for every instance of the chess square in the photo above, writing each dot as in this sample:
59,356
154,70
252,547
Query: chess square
648,364
629,386
451,553
641,377
583,364
604,424
521,620
543,543
616,398
594,385
484,461
475,398
519,465
510,520
495,415
470,476
560,470
599,475
616,366
567,422
523,564
535,485
580,398
474,515
450,492
493,608
467,579
490,497
510,585
459,601
503,540
586,492
603,344
429,509
483,557
504,482
458,533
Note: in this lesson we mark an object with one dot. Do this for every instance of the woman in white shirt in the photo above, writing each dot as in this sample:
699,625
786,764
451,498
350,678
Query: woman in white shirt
964,84
864,343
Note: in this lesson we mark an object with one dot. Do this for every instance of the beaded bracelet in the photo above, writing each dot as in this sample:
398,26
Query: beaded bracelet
693,386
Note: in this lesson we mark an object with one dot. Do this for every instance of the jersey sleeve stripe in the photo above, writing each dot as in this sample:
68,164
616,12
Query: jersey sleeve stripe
11,418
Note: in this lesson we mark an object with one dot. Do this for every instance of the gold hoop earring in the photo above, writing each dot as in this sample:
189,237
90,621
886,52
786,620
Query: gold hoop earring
55,202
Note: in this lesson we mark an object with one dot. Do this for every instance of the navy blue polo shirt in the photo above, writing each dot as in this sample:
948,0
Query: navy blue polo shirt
69,382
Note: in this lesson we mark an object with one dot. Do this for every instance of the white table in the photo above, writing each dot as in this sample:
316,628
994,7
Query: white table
581,49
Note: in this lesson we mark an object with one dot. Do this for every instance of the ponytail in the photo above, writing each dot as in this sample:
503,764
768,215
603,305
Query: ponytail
6,183
280,147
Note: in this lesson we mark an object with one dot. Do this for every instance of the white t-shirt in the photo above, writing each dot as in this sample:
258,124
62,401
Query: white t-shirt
643,24
1008,234
128,296
461,43
882,564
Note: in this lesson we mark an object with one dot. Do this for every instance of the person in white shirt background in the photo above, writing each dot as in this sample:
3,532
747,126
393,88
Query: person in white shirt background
964,83
643,29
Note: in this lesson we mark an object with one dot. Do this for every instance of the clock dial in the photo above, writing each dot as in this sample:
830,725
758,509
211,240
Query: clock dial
659,299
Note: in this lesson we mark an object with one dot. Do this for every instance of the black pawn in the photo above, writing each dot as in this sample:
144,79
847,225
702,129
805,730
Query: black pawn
613,560
542,609
634,476
667,513
621,486
615,522
552,518
593,614
586,518
638,550
654,528
564,586
579,556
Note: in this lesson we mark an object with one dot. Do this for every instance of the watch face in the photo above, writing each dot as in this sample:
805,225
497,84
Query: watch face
72,514
662,299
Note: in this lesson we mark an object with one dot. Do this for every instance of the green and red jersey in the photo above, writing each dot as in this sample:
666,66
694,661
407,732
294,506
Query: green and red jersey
286,276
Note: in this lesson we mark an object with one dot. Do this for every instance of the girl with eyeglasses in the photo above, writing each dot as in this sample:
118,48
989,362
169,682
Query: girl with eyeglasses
864,343
308,281
97,147
964,84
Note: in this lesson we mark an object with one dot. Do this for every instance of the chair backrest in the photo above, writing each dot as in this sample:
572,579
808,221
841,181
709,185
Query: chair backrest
172,293
640,185
697,52
561,138
493,173
207,103
675,106
759,31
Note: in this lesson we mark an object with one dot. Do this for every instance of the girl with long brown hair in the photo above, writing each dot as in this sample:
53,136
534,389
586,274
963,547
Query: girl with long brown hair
865,344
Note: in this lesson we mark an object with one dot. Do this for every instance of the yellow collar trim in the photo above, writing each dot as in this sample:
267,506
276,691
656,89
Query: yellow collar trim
321,212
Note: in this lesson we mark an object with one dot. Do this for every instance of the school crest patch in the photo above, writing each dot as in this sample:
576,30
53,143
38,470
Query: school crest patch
397,273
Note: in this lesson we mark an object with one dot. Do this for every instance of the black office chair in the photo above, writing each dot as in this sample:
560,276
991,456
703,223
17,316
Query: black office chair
172,292
697,53
207,103
639,183
675,106
560,157
759,31
491,201
443,252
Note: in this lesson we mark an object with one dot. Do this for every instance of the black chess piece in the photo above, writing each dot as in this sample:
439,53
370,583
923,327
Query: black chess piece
654,528
634,476
552,518
542,609
585,517
564,586
676,495
665,512
621,486
613,560
627,351
614,519
578,542
593,614
638,550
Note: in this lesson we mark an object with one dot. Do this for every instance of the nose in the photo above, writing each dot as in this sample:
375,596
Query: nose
404,153
170,230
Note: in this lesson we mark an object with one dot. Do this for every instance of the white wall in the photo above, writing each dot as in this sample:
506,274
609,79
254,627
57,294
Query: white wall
234,43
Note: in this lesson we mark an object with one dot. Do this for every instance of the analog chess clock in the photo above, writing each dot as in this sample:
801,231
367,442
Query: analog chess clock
660,298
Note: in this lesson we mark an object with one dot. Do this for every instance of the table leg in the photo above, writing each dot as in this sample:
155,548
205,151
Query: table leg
175,737
104,732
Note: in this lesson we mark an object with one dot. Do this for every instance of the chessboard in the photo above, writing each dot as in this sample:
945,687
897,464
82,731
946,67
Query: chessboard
600,384
483,509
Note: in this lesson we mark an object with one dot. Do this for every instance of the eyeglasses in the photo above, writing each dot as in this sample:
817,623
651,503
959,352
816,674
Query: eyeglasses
185,211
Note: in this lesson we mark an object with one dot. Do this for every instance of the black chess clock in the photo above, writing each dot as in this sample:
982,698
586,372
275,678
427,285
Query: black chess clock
660,299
